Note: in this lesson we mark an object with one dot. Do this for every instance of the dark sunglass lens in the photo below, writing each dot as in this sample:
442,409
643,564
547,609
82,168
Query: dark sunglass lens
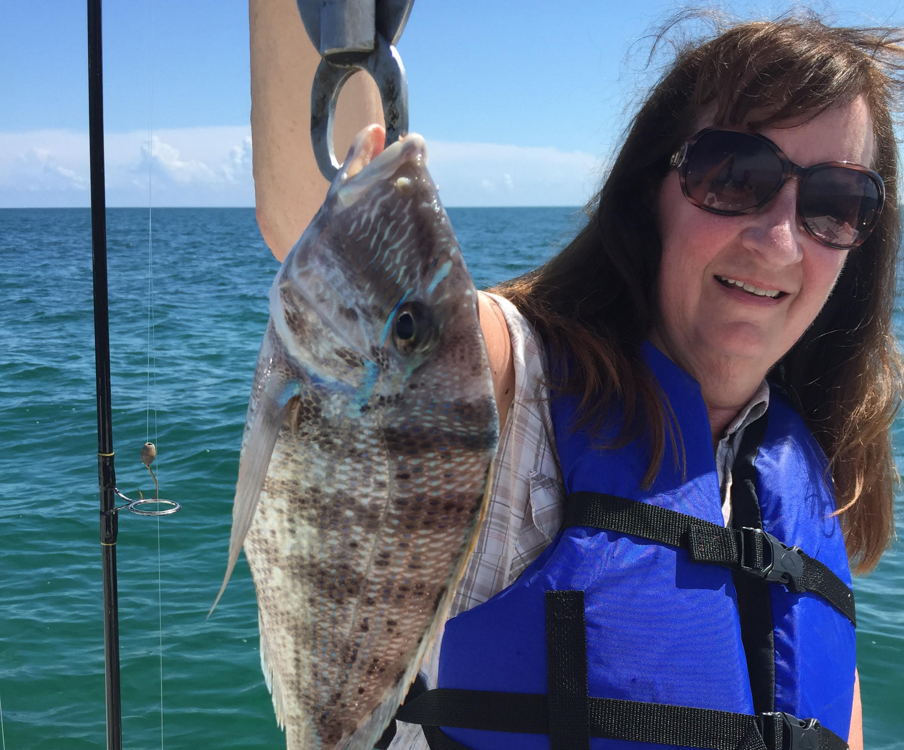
731,172
839,206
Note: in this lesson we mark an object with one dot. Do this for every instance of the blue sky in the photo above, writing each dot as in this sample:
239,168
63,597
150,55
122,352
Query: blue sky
520,102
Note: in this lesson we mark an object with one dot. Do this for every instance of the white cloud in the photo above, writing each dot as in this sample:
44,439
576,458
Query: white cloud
212,167
185,167
41,166
492,174
46,172
168,160
239,165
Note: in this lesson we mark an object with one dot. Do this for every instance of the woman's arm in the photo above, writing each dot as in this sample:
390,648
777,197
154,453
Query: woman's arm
288,186
499,352
855,737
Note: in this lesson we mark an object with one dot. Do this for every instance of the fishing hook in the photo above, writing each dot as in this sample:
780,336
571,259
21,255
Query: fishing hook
148,454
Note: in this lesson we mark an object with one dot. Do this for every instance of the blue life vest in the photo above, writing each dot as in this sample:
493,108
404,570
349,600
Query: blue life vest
662,628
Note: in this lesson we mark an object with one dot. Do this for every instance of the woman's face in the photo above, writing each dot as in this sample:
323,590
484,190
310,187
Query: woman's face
709,325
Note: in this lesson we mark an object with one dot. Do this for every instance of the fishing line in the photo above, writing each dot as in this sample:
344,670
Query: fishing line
109,524
151,339
2,733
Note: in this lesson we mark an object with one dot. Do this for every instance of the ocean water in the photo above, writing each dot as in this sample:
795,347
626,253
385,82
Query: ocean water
210,273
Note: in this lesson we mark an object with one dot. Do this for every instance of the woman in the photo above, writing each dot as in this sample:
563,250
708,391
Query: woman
704,256
716,346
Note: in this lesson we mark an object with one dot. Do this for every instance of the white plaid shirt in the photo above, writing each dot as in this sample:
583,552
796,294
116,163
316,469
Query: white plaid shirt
527,500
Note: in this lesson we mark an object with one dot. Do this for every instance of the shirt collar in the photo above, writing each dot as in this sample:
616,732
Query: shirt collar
752,411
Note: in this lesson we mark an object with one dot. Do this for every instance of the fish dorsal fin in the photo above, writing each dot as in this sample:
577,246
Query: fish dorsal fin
257,450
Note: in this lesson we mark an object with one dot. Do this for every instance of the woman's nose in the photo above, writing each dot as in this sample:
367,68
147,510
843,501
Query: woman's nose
774,231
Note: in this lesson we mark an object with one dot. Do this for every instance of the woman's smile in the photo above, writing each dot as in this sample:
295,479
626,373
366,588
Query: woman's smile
750,288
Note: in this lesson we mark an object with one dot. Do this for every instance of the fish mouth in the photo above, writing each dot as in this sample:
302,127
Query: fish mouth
369,163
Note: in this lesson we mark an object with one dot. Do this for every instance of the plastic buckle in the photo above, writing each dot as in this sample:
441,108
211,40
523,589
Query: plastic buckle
781,563
797,734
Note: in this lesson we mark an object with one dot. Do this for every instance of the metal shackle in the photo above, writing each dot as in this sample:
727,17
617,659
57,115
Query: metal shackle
347,30
354,35
385,66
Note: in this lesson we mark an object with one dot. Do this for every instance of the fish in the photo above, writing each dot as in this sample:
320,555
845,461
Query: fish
365,461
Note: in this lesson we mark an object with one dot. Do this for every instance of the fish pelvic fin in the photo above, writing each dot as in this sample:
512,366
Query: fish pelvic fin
272,405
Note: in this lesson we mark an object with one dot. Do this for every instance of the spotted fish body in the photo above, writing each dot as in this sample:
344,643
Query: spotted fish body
370,433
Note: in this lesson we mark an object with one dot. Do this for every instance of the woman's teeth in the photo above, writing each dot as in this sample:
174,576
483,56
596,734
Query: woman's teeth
773,293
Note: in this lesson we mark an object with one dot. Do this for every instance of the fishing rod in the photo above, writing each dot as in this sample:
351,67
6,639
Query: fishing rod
109,512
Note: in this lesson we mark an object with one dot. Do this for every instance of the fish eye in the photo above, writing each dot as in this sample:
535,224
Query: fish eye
412,328
405,327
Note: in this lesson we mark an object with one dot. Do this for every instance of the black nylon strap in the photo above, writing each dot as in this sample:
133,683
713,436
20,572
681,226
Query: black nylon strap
706,542
673,725
828,740
418,687
745,506
753,739
566,670
772,730
437,739
754,601
528,713
820,579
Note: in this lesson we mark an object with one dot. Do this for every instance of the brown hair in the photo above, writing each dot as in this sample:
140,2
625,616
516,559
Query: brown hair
595,302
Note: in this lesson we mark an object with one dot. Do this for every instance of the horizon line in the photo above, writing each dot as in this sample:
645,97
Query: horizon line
195,208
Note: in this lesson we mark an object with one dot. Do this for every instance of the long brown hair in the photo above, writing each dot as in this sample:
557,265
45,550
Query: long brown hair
595,302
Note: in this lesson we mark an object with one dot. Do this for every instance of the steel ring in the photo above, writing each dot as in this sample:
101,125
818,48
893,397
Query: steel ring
385,66
173,506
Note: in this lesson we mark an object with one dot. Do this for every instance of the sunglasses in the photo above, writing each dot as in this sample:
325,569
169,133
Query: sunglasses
731,173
